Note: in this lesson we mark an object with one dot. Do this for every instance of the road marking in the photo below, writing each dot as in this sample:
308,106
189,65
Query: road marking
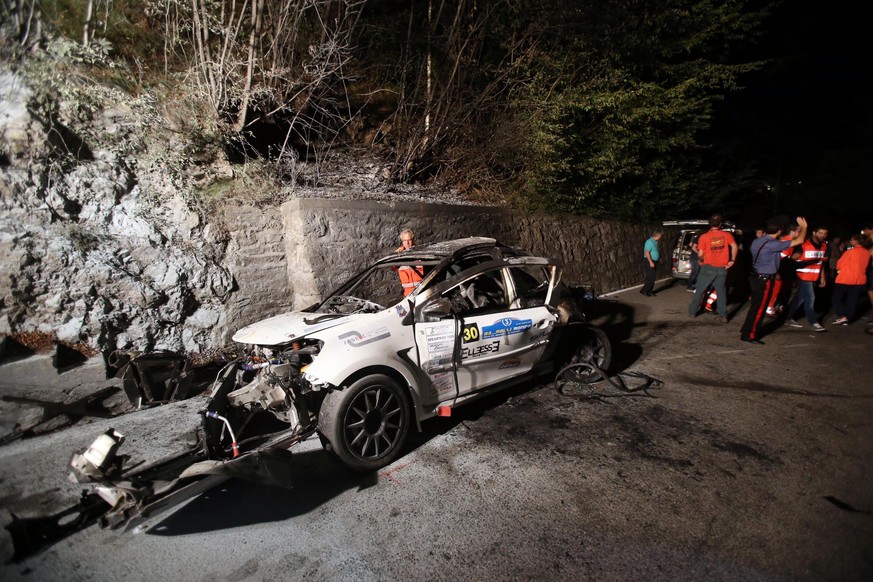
725,352
632,288
388,474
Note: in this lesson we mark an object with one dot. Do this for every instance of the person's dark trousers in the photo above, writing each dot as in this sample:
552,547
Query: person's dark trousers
762,291
717,277
648,277
692,276
845,299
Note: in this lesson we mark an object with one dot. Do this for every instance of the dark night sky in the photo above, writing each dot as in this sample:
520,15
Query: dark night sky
806,118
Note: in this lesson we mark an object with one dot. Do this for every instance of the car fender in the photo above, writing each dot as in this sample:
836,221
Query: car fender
370,341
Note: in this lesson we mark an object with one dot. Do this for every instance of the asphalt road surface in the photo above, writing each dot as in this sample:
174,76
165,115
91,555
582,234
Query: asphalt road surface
749,462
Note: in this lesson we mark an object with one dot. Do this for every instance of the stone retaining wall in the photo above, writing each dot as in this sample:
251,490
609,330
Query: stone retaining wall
290,257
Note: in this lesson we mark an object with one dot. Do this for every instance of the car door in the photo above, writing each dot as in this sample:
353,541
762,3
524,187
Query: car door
498,333
436,343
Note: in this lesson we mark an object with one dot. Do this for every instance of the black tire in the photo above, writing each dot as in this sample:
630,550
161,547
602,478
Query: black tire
366,424
594,346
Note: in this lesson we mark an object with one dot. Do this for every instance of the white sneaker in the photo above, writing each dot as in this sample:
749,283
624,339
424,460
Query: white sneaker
792,323
841,321
771,312
816,327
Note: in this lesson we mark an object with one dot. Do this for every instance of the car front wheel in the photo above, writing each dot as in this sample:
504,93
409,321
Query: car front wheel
366,424
594,347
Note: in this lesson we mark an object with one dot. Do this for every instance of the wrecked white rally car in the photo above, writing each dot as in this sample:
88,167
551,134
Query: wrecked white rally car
361,369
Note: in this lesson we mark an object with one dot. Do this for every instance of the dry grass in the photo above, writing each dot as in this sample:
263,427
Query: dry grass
40,342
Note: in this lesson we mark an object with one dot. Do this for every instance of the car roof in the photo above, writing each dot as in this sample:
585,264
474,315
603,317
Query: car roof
444,249
450,247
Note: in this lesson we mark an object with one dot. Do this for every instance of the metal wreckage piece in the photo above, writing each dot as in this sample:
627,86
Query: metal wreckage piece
259,407
154,377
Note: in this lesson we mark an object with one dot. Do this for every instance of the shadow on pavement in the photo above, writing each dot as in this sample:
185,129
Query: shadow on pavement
750,386
12,350
237,503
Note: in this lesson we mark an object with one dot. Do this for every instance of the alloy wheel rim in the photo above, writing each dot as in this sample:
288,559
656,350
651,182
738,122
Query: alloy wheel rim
373,423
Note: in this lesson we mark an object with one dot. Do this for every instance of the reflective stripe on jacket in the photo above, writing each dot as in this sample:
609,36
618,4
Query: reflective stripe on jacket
410,278
810,261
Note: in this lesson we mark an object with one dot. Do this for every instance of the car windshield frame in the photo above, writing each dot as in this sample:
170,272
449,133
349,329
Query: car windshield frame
437,259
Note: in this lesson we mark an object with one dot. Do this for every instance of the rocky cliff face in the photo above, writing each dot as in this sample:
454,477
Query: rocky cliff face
105,240
97,242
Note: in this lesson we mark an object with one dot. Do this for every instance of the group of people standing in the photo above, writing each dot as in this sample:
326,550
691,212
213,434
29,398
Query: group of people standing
782,257
809,259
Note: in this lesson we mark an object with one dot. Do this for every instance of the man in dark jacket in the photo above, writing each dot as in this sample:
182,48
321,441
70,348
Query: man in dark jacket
766,257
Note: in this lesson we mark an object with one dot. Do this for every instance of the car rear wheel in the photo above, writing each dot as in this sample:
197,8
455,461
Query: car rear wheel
366,424
594,347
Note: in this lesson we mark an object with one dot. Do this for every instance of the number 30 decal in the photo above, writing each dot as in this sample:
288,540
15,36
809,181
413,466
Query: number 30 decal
470,333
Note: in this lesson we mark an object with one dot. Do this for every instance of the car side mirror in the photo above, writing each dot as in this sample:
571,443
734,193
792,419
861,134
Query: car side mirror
437,310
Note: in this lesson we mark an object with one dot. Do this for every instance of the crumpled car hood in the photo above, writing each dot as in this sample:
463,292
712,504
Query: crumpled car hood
286,327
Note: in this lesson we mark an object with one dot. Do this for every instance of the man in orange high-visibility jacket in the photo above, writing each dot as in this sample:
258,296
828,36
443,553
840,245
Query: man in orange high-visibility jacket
810,270
410,277
851,278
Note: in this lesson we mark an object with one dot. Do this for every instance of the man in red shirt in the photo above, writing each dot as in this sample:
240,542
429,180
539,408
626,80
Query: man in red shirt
717,250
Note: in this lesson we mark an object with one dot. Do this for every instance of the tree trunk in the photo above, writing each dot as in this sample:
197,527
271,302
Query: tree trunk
257,11
86,35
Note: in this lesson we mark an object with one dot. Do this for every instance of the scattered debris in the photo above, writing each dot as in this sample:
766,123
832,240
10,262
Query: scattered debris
153,378
21,345
36,341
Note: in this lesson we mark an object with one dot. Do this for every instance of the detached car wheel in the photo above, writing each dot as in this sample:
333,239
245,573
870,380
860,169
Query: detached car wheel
594,346
366,424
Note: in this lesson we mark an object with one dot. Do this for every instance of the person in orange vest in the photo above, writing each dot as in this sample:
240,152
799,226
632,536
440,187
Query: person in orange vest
810,270
851,278
410,277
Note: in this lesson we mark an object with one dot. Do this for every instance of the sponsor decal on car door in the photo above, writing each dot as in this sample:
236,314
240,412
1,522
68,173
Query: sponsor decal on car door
499,346
436,344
